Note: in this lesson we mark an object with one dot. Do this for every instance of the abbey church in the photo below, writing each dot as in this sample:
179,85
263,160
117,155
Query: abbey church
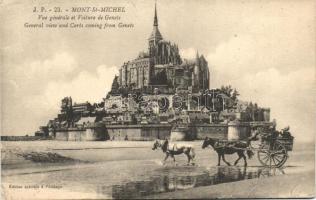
162,69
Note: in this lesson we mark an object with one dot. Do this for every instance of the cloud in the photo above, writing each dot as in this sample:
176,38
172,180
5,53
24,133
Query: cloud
57,67
33,76
86,86
258,78
37,87
291,99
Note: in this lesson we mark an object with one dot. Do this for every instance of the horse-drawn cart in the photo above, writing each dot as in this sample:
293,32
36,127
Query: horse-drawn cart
272,148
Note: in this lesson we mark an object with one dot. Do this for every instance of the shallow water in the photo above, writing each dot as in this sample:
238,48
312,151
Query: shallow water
127,170
171,179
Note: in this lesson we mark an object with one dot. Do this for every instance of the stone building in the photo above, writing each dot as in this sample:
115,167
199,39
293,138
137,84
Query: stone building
162,68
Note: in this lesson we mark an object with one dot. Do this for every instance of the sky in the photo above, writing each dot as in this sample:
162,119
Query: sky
264,49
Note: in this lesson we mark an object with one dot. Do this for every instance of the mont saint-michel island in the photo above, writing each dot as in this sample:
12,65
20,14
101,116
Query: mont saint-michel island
159,95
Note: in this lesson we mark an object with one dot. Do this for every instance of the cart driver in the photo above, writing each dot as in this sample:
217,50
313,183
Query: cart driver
254,134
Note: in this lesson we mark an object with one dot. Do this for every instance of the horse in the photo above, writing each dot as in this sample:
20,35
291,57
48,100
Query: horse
175,149
231,148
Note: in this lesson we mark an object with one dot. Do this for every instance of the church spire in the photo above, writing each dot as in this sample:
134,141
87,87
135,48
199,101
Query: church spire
197,58
155,18
155,35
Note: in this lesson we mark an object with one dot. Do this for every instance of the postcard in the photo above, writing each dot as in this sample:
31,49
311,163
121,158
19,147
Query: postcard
157,99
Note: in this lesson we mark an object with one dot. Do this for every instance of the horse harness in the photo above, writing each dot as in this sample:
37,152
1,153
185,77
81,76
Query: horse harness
226,144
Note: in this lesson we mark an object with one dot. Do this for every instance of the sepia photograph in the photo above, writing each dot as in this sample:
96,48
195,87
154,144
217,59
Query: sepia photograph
157,99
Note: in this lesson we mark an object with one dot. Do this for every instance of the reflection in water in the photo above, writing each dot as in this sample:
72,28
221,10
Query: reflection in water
171,180
273,171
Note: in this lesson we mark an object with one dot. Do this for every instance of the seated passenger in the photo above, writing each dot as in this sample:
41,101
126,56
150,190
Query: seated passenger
285,133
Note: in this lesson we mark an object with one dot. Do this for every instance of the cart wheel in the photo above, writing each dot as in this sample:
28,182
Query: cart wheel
279,154
264,155
274,156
